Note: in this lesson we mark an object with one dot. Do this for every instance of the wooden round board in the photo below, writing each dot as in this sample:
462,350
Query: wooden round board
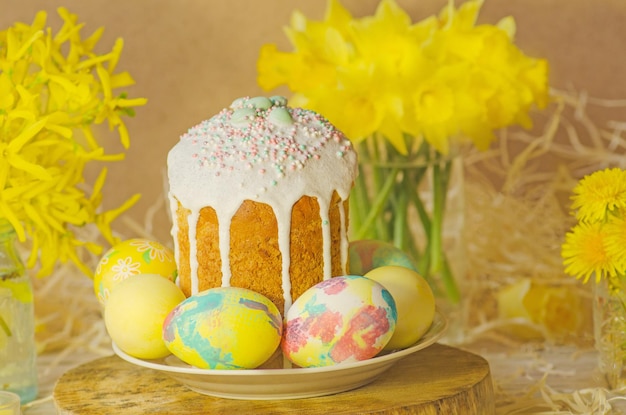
437,380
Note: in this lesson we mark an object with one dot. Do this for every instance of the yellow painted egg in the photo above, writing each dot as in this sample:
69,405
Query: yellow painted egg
340,320
415,303
135,313
224,328
132,257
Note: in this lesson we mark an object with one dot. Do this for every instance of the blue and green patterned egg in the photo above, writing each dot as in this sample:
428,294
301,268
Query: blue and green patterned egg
224,328
367,254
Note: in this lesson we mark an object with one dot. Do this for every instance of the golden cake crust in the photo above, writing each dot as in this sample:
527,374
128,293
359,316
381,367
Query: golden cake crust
255,257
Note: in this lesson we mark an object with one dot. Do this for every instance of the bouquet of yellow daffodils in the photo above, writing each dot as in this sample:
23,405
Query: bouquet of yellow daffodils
595,244
53,89
410,96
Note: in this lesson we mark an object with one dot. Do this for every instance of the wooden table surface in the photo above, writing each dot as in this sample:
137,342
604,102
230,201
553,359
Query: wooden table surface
437,380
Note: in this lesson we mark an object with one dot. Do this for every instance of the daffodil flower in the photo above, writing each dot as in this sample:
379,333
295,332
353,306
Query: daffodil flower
409,95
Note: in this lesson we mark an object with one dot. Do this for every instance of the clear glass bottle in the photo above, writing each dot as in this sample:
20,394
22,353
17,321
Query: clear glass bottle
18,368
609,323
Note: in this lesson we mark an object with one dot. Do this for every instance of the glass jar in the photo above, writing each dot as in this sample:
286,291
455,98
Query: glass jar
609,320
417,202
18,369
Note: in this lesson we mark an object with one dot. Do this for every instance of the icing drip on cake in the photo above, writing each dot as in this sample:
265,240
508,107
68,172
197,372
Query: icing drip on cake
262,150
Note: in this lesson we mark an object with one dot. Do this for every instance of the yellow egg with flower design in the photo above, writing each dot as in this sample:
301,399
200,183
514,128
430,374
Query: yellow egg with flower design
132,257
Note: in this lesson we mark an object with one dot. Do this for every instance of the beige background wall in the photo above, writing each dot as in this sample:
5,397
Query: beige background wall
191,58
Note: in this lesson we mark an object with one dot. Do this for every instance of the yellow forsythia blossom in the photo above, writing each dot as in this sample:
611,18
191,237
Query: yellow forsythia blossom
443,78
53,89
595,244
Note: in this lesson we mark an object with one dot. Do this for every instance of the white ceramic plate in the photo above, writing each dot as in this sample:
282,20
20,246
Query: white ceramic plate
293,383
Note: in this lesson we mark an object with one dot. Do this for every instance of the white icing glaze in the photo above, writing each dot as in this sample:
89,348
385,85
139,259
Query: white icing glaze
267,153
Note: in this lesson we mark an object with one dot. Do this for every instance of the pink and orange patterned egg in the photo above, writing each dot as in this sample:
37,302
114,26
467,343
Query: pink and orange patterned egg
132,257
340,320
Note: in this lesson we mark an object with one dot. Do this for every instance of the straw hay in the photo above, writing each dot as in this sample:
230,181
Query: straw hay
517,197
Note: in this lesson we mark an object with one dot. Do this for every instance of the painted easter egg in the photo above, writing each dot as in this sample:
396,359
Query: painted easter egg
135,313
224,328
367,254
415,303
132,257
339,320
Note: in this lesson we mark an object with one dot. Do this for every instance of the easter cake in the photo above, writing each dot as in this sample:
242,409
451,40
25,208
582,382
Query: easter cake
259,200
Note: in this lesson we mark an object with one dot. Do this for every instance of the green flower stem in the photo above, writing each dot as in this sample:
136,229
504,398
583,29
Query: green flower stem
421,211
412,182
376,210
400,223
380,179
449,283
5,327
413,178
423,263
359,201
436,229
438,263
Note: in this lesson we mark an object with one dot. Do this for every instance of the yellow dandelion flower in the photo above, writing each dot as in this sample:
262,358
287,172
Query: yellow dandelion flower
585,253
615,230
600,194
